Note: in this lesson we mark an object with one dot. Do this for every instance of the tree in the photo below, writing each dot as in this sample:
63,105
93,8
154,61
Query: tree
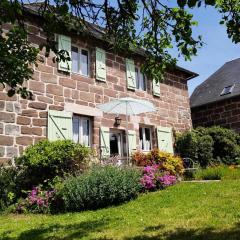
152,25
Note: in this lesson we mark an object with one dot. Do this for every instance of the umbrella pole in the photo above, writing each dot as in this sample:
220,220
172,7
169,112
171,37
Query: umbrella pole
127,143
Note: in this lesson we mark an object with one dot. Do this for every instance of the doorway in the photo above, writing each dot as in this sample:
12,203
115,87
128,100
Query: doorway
116,143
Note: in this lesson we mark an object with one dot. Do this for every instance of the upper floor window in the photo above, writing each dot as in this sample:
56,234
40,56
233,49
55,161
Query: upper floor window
145,138
82,130
140,79
80,61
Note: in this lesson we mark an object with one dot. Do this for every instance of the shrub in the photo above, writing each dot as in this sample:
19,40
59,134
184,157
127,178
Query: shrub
37,201
166,161
211,173
139,158
100,187
210,145
45,160
195,145
7,186
154,178
226,144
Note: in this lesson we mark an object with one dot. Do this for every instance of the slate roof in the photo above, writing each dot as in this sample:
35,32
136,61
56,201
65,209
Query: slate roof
210,90
98,33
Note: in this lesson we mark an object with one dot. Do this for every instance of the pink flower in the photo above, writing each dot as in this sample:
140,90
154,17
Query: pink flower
148,182
167,180
40,202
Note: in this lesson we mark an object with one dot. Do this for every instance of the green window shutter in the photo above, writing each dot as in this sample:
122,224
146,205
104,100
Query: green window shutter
132,141
156,88
105,142
59,125
164,137
64,43
130,74
100,65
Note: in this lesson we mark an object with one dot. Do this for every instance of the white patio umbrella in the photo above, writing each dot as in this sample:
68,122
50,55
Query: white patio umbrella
127,106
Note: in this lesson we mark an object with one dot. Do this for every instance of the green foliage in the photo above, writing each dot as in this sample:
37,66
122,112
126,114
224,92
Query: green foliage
100,187
45,160
226,144
17,58
211,173
230,11
209,145
218,172
7,186
197,146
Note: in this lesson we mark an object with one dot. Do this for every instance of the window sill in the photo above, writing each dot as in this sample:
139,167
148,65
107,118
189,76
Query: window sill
79,74
140,90
146,151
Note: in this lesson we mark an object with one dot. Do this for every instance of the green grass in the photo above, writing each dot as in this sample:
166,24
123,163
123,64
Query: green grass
217,173
192,211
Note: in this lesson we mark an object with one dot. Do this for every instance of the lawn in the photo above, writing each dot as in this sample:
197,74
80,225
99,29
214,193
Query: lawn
185,211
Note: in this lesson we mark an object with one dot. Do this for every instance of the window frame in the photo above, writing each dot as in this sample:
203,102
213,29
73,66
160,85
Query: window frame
121,143
231,87
144,138
80,129
137,76
79,60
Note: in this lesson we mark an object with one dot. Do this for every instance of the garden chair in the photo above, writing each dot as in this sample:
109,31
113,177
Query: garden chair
190,165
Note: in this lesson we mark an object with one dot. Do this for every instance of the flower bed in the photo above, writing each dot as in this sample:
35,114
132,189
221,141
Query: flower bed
161,169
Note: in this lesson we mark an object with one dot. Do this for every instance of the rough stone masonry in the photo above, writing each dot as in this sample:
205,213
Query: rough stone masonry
24,122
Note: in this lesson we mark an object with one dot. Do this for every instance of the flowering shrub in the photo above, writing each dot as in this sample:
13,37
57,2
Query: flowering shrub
140,158
37,201
167,180
154,178
170,163
166,161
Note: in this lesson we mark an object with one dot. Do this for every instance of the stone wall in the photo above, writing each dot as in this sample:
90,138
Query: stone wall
225,113
24,122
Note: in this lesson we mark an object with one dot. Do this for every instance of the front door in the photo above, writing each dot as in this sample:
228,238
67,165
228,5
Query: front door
116,143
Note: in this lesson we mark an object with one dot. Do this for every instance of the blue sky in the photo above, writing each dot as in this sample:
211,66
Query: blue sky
218,49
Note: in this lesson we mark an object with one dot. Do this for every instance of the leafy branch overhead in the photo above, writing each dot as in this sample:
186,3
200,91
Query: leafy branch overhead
155,26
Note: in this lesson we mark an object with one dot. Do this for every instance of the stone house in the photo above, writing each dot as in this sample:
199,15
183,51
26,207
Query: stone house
64,100
217,100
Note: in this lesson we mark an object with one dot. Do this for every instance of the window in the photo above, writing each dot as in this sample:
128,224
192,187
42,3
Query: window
227,90
80,61
82,130
145,138
140,80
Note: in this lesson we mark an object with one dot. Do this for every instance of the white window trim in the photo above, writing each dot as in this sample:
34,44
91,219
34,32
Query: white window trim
144,138
80,130
230,91
79,60
137,79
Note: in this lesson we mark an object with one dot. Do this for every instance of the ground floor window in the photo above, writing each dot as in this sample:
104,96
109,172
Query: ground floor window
82,130
145,138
